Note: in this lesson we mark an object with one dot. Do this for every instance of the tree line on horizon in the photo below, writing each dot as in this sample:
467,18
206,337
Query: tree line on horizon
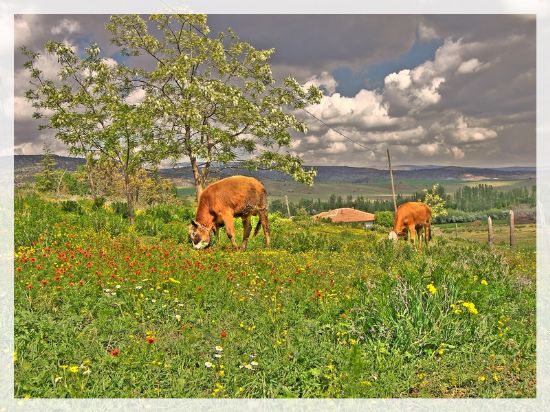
465,204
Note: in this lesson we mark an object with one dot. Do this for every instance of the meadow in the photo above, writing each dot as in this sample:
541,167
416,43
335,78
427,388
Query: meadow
108,309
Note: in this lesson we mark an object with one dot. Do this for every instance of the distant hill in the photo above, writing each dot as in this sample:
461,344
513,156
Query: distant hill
27,165
345,174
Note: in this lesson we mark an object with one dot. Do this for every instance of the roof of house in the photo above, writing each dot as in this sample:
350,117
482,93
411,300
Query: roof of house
345,214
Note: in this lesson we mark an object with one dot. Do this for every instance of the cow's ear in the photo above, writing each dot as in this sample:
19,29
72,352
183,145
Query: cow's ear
195,224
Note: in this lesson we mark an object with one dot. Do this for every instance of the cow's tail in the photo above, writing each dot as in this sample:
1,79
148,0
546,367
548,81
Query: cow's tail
258,225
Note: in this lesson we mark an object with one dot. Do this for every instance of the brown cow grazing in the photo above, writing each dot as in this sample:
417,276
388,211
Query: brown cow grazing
220,202
412,216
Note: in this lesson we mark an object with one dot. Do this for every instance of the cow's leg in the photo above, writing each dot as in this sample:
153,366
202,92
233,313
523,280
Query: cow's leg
412,234
247,226
230,228
427,233
265,225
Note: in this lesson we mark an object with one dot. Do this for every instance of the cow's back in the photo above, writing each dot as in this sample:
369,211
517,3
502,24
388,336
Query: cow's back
413,212
240,194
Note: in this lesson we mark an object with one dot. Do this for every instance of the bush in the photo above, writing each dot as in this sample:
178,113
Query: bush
384,218
120,208
71,206
99,202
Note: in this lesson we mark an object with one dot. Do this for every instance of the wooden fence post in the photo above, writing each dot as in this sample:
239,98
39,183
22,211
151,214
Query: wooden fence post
456,230
287,206
512,227
490,231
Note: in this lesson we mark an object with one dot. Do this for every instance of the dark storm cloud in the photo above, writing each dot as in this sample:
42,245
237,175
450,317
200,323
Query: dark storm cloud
449,89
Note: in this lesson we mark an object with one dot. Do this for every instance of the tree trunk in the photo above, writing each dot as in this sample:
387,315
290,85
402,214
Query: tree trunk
129,198
197,177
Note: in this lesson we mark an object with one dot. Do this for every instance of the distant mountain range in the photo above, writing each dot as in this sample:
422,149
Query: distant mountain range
27,165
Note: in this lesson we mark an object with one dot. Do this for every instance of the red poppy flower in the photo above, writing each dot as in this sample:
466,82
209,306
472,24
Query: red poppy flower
223,333
29,286
150,339
115,352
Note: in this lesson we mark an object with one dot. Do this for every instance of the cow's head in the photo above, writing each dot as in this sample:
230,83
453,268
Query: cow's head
199,235
395,235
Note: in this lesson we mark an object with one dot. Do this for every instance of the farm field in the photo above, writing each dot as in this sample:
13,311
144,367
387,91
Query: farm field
108,309
375,189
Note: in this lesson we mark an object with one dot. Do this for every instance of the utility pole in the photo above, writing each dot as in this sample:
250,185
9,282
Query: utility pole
391,178
287,206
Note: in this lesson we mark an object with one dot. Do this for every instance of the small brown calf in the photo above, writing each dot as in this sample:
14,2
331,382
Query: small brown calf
221,202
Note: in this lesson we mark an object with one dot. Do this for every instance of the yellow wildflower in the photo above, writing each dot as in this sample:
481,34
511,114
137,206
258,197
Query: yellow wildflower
481,378
484,282
218,388
73,369
431,288
471,307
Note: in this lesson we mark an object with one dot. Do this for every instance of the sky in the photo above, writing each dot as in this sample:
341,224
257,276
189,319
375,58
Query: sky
434,89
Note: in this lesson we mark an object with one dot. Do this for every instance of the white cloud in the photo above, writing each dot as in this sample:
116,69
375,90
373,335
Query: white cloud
66,26
136,96
22,108
324,80
22,25
457,152
410,136
430,149
464,133
311,139
410,90
336,147
365,109
426,32
416,89
471,66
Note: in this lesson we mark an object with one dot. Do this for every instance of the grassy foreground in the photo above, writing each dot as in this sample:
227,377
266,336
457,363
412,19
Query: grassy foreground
104,309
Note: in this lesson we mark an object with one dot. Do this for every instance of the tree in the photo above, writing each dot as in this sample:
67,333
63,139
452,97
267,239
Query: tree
435,202
89,110
216,97
45,180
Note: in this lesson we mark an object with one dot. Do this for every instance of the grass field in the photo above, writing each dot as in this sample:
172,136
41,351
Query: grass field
524,234
108,309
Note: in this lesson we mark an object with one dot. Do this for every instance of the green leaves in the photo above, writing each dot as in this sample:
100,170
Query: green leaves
216,96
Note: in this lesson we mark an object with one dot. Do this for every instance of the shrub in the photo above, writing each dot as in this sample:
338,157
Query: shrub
384,218
120,208
99,202
71,206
